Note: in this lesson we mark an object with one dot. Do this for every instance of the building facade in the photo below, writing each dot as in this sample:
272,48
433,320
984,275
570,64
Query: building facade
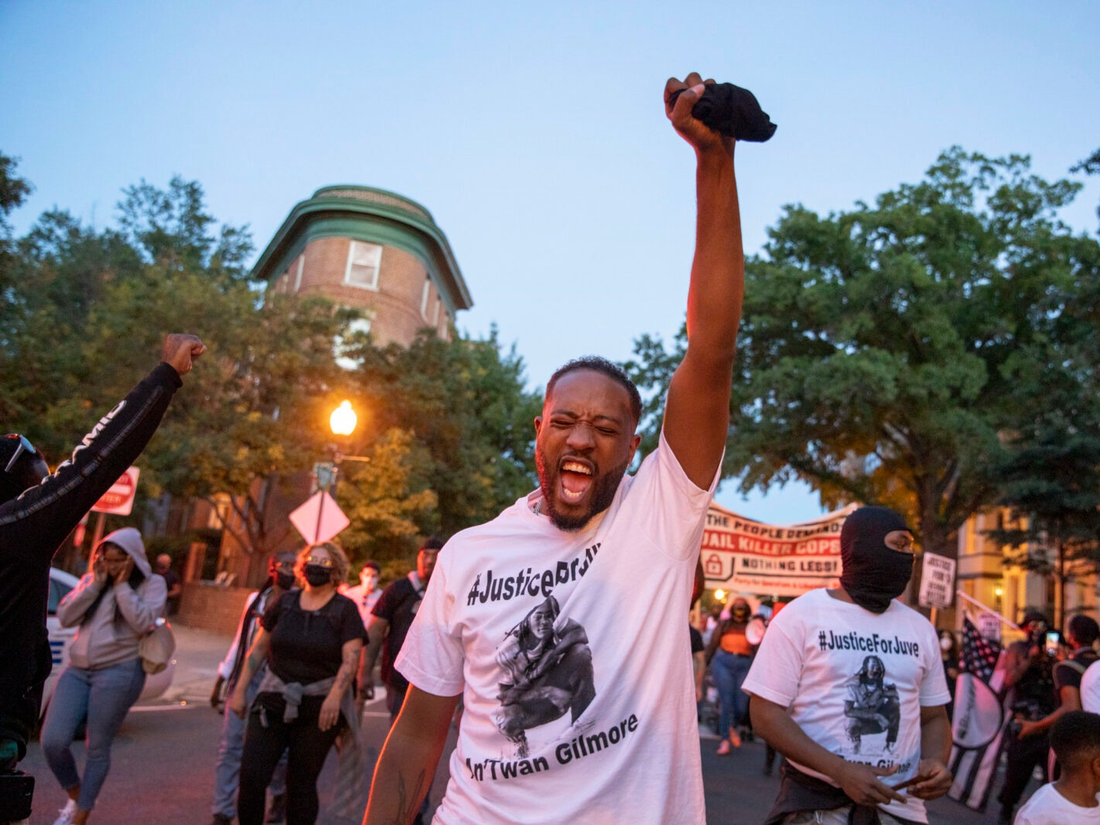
358,247
371,250
986,572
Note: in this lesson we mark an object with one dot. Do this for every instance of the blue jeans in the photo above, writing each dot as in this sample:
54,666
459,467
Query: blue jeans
102,697
228,771
729,672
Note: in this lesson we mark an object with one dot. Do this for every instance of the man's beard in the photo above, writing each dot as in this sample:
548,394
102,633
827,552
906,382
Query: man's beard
604,487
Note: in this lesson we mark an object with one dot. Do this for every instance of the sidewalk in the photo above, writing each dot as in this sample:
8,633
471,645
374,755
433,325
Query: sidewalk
198,654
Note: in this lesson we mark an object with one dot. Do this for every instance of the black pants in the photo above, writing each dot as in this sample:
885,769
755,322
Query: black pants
1022,755
264,742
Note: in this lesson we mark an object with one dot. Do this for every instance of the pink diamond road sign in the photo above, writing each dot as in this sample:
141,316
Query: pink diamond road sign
319,518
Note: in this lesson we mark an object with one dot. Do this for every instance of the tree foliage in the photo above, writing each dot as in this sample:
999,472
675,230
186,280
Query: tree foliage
88,312
885,349
465,404
448,423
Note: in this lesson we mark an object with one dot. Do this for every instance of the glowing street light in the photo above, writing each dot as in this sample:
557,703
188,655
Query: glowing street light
342,423
343,419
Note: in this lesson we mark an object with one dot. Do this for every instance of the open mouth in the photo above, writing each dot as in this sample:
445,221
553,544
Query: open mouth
576,478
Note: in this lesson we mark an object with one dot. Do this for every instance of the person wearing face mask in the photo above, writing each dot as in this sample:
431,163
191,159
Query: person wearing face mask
280,580
367,592
311,640
729,655
849,686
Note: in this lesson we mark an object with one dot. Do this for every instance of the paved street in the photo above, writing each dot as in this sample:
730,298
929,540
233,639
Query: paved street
163,760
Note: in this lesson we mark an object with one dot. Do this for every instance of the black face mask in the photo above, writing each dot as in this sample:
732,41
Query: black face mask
317,575
873,574
284,580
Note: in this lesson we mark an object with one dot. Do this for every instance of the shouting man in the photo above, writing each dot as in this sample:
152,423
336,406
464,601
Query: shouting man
569,717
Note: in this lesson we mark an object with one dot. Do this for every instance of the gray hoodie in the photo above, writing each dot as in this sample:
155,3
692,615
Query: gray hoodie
101,641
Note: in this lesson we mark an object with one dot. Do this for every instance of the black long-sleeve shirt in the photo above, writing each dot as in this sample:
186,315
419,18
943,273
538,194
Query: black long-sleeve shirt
35,524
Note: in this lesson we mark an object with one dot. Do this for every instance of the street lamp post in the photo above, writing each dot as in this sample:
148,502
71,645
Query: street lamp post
342,422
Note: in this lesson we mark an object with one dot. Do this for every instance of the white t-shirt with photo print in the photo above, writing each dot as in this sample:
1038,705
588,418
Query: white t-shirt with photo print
854,681
569,651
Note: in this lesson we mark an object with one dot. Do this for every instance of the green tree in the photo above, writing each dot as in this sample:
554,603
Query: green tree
1051,484
883,349
93,306
465,402
386,499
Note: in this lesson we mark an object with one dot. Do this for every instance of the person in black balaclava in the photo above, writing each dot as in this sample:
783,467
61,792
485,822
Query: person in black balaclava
871,577
848,685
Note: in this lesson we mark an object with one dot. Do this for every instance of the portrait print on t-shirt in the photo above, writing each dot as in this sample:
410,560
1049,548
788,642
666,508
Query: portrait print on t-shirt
547,666
872,707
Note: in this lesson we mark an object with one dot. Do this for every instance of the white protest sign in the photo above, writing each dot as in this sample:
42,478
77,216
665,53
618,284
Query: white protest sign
937,581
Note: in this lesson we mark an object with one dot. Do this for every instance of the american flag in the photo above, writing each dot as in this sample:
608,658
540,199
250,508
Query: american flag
978,727
980,654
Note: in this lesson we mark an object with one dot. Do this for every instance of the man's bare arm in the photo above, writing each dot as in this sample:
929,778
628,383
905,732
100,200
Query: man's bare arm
933,779
697,410
860,782
255,659
408,760
1069,698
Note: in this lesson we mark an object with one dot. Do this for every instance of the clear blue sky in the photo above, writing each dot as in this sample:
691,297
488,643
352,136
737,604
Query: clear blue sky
535,133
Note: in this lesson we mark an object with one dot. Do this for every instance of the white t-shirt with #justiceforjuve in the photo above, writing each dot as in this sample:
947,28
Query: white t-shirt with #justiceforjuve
854,681
569,652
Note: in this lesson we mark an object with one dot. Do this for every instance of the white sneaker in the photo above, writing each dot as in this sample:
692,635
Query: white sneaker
66,814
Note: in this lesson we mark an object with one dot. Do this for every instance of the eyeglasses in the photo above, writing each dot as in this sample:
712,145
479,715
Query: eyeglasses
24,446
324,562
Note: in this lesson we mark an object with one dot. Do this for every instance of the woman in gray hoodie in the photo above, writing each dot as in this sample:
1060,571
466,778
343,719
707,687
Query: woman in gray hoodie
114,605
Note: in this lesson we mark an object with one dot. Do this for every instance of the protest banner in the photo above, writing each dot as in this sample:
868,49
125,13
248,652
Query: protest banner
743,555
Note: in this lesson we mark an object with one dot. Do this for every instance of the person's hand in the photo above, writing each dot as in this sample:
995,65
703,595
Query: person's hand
1027,729
237,703
365,692
861,783
99,569
932,781
124,571
216,693
695,132
330,712
180,350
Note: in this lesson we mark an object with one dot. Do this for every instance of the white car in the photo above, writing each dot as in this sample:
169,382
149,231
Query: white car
61,639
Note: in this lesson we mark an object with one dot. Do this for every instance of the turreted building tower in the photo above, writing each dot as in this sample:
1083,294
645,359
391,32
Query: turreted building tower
372,250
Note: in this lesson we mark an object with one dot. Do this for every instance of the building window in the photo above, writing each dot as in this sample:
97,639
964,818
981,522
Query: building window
298,276
424,296
364,261
435,312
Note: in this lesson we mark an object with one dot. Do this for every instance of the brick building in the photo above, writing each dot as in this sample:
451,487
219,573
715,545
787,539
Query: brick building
359,247
372,250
